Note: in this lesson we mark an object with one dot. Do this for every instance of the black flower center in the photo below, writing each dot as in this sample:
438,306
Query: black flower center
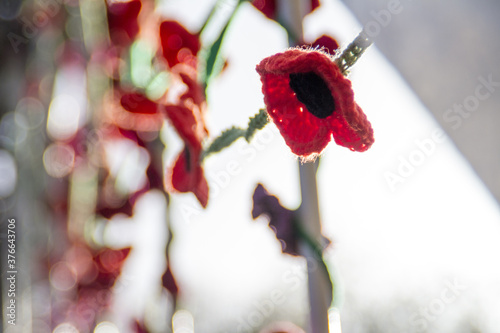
312,91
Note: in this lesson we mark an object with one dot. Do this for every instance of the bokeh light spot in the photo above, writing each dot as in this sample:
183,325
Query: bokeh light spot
65,328
81,262
62,277
29,113
58,160
8,174
106,327
182,322
64,116
174,42
185,55
111,260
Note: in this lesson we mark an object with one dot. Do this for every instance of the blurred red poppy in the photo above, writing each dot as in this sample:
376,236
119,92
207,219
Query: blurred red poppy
178,45
280,219
122,21
270,7
138,103
132,111
187,173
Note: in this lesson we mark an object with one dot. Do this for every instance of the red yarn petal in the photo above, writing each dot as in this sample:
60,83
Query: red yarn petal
357,140
138,103
122,21
195,90
186,124
187,176
132,112
303,132
178,44
187,173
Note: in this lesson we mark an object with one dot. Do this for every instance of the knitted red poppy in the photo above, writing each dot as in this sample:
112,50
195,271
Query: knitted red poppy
309,100
187,174
178,45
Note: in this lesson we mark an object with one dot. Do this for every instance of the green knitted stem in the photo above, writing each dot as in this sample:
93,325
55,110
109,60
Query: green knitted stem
226,138
353,52
317,249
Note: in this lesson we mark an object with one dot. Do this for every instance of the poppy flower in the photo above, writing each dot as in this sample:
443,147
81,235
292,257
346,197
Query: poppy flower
281,220
138,103
132,110
178,45
309,100
187,174
122,21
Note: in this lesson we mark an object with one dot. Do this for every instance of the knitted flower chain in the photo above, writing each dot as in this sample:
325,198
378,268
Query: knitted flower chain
310,101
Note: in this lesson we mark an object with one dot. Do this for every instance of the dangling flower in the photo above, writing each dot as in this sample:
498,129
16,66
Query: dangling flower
178,45
122,21
132,110
185,109
187,174
309,100
138,103
281,220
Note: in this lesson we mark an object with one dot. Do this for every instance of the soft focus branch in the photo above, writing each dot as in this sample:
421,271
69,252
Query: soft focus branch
229,136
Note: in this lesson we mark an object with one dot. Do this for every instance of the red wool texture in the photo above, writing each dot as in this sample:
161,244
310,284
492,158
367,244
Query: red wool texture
306,134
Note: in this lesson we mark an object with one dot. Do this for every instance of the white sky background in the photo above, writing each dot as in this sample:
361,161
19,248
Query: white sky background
441,223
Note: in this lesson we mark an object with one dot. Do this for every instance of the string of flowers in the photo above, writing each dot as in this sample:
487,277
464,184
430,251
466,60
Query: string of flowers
143,71
310,90
309,99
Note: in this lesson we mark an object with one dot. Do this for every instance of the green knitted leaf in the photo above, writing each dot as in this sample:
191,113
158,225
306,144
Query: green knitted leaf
212,54
213,51
256,123
226,138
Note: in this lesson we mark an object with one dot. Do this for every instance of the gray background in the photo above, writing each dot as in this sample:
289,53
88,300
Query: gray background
441,48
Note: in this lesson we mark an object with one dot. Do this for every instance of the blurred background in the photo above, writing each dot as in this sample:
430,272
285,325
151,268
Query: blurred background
414,222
